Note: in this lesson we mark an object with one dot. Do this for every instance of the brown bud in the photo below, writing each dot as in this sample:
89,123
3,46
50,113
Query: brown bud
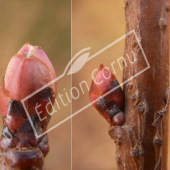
119,119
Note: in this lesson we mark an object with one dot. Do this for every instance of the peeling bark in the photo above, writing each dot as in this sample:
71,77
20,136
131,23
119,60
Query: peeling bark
142,142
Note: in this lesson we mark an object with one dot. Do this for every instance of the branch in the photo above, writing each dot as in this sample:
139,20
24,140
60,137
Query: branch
142,142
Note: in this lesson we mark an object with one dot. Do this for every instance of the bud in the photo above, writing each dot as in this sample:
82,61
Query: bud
111,105
29,70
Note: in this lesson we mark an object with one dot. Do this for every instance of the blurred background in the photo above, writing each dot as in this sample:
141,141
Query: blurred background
82,142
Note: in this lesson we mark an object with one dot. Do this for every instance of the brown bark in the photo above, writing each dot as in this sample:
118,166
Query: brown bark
142,142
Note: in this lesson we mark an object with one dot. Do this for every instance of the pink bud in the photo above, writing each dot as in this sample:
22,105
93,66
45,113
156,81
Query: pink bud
108,105
104,82
29,70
